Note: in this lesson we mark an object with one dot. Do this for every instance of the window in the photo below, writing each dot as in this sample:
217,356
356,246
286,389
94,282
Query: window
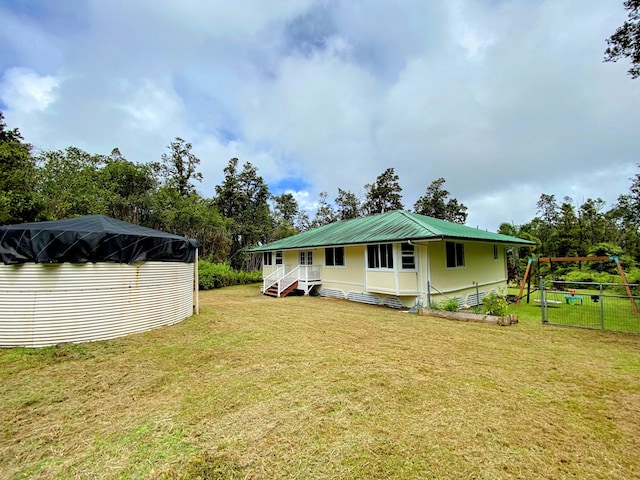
455,255
334,257
279,257
380,256
306,257
408,257
495,252
267,258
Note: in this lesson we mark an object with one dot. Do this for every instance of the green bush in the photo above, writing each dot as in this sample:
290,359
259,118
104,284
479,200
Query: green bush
591,276
495,304
633,275
450,305
218,275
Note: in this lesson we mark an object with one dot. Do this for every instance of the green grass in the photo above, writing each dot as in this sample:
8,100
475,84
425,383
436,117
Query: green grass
616,310
299,387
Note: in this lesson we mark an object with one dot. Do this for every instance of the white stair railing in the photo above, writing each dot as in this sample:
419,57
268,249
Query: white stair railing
287,280
302,273
271,279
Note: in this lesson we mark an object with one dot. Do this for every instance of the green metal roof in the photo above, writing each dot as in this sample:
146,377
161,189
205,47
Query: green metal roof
393,226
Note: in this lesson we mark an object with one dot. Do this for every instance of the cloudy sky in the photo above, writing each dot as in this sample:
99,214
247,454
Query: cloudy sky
505,99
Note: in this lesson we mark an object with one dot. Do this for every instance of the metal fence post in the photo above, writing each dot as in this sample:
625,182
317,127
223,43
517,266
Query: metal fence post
601,308
543,302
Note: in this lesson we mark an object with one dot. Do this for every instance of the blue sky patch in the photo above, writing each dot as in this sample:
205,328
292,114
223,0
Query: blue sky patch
290,183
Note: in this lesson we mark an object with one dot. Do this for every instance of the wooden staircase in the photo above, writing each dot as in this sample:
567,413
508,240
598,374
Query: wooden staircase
272,291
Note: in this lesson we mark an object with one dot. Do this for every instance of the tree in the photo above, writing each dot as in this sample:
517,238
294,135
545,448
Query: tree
383,195
325,213
193,217
303,223
349,206
517,256
127,188
242,198
593,224
626,216
285,208
436,203
545,225
19,201
625,42
285,213
179,168
70,184
568,230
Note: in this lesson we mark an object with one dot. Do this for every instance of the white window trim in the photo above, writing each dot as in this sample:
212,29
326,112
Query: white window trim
381,269
415,263
306,257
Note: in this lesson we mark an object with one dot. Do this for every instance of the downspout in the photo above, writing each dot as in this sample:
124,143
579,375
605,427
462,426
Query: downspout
396,267
427,269
418,274
197,285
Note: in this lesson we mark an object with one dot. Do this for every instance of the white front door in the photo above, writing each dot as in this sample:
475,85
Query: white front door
305,257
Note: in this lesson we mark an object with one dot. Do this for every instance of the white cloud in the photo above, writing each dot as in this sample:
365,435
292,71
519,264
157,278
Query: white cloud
152,105
318,114
23,90
506,100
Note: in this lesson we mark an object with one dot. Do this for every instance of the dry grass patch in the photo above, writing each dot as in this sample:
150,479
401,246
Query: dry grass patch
261,388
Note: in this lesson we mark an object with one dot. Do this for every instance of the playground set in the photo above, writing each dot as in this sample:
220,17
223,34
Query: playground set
571,296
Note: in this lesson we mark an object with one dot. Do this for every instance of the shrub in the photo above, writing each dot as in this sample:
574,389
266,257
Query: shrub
495,304
218,275
450,305
633,275
591,276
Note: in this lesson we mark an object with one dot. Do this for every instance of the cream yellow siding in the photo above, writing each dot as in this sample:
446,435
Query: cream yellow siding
408,283
480,274
381,281
269,269
352,275
430,279
479,266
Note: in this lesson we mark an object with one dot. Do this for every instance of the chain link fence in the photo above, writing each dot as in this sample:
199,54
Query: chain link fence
604,306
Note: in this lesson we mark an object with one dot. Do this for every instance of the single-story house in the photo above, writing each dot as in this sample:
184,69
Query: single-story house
91,278
399,259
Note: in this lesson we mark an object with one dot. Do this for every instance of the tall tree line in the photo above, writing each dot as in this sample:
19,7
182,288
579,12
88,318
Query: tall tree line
243,213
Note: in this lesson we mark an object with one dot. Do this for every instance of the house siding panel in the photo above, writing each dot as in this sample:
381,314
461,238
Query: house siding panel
480,267
408,283
349,275
381,281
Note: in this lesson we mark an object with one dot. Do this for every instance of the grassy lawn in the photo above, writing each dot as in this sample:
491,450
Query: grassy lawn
615,308
316,388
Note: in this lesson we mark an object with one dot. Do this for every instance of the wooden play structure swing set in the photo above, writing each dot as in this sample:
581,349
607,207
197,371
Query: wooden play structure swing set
526,280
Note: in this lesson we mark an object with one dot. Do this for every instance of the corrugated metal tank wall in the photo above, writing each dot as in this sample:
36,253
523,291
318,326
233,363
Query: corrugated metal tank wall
47,304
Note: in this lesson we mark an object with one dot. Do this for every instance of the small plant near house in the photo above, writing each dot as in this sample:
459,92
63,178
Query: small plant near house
476,309
495,304
450,305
